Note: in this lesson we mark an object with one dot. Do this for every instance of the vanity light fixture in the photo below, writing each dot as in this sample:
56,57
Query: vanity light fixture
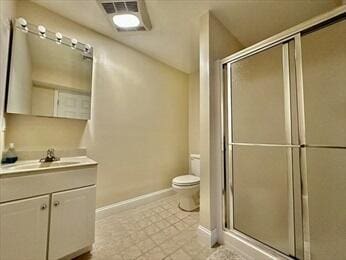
42,31
23,24
74,43
58,38
126,20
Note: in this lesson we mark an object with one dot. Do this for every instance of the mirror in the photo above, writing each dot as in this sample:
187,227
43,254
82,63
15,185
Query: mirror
50,75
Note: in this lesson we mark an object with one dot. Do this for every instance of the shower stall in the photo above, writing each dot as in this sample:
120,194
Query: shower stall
284,121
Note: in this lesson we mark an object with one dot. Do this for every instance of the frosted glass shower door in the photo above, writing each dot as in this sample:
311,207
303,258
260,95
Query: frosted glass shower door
261,204
324,76
261,146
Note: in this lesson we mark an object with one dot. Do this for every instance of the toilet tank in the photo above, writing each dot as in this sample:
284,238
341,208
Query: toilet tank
195,164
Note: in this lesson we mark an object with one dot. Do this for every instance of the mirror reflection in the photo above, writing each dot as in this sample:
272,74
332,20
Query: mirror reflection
48,78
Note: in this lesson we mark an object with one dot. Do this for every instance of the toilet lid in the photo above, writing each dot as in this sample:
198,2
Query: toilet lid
186,180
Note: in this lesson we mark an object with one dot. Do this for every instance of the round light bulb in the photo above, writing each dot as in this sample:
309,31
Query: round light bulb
58,38
42,30
74,43
23,24
126,20
87,47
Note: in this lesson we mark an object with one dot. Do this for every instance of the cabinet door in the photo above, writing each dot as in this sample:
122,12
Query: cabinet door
72,223
24,229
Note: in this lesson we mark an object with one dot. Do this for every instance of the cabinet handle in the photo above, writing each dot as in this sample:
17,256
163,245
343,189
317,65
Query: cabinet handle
43,206
56,203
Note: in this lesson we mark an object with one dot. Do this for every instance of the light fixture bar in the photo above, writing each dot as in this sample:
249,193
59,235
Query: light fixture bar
42,32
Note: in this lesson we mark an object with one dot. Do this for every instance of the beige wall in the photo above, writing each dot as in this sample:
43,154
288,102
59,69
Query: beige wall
138,130
216,42
194,113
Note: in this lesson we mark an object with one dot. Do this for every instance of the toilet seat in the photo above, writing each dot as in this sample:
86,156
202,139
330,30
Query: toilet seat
186,180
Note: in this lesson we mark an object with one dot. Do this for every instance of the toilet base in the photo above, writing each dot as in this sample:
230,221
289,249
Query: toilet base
188,198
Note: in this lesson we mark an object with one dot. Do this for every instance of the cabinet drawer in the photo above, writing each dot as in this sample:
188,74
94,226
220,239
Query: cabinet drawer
33,184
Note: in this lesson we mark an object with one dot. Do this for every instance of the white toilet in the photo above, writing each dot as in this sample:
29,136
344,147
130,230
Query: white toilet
187,186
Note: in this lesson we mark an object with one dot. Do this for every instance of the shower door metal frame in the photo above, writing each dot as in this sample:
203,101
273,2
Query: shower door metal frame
228,143
293,34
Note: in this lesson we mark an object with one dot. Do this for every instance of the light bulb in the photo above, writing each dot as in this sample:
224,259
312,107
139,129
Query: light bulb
42,31
23,24
87,47
126,20
74,43
58,38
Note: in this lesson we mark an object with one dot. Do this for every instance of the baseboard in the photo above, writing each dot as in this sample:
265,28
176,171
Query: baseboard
207,236
132,203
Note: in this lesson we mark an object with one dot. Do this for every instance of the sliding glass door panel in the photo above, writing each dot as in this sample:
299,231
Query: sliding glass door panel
261,204
324,78
258,98
326,181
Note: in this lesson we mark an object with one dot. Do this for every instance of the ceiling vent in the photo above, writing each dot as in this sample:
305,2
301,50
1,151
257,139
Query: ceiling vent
112,8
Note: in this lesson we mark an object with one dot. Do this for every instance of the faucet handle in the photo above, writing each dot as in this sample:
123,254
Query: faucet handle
50,152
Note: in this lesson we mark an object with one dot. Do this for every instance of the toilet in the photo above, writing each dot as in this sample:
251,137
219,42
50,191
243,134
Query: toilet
187,186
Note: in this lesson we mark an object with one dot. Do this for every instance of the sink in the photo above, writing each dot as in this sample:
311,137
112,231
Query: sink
38,165
27,166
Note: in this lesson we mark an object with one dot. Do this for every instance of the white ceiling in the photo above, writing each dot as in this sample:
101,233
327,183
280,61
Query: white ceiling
174,37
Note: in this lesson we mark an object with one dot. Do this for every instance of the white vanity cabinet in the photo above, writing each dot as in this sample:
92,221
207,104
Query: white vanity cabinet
47,214
72,221
24,229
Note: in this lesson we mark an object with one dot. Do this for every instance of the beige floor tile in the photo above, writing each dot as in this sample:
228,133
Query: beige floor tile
138,236
159,238
131,253
151,230
172,219
163,224
158,230
181,225
146,245
169,246
170,231
180,255
155,254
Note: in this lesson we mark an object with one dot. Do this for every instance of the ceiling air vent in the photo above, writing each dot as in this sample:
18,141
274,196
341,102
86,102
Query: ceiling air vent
112,8
120,6
109,8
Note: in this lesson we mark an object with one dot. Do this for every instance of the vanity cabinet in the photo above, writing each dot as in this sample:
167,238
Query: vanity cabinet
24,229
72,221
47,214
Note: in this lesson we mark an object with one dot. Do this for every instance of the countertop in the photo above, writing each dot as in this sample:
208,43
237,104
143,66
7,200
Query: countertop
35,166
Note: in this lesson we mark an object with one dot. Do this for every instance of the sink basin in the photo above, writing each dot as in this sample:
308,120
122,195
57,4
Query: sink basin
38,165
30,166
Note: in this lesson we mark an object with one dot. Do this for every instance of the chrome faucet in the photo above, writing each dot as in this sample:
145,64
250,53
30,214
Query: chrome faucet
50,156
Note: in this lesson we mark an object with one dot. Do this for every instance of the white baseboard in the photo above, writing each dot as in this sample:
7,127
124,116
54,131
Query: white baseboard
207,236
132,203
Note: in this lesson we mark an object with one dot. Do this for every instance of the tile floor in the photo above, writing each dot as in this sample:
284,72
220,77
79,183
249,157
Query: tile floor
158,230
